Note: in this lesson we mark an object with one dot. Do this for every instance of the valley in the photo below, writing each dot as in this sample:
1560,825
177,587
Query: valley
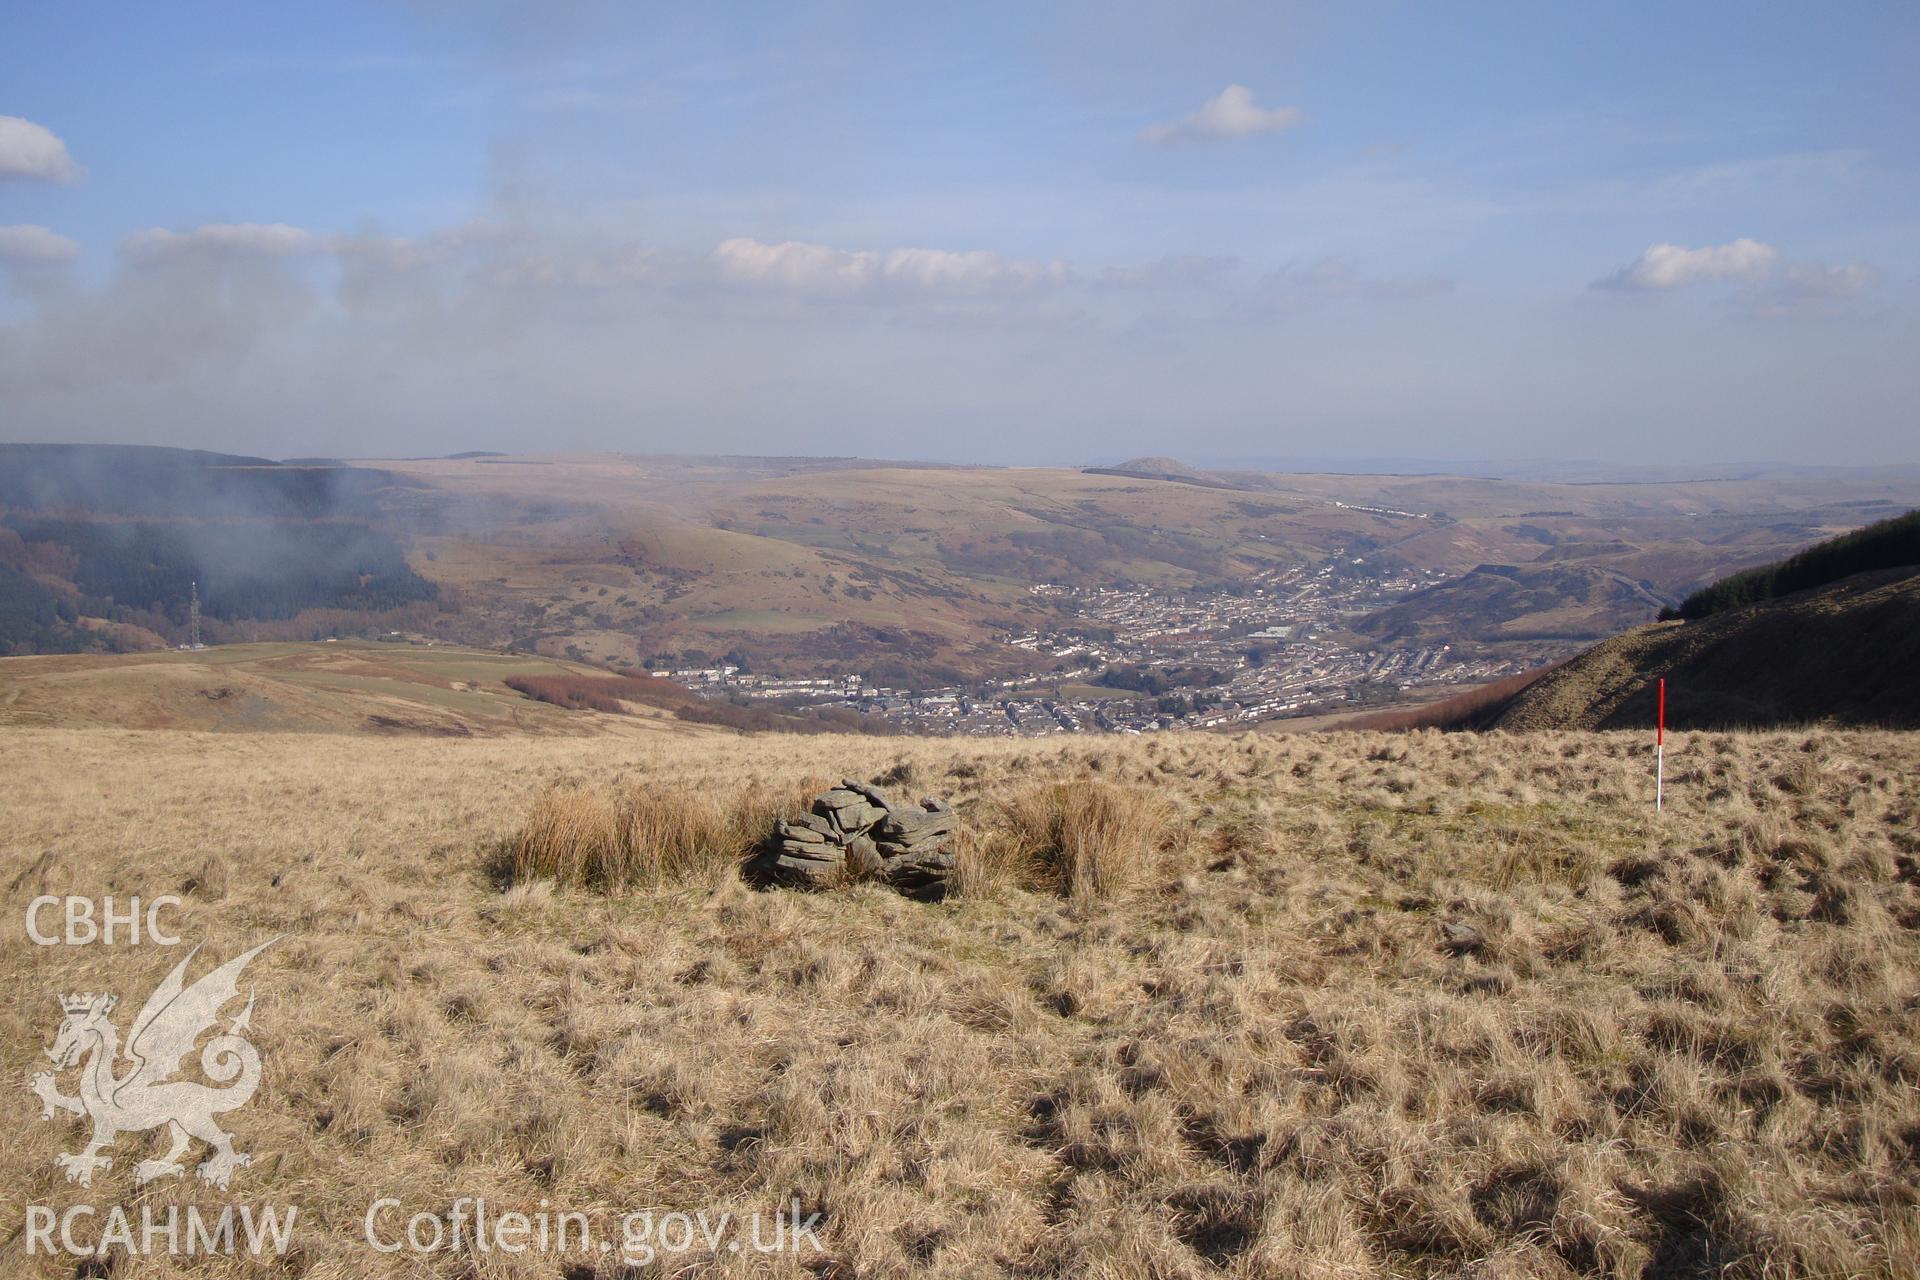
862,642
963,600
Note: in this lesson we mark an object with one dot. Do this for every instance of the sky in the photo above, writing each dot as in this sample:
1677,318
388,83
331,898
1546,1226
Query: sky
1683,234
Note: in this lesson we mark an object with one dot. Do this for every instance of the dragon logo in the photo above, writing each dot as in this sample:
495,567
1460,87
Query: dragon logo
146,1096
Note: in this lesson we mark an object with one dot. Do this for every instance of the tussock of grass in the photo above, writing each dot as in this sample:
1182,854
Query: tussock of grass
1085,840
572,837
583,837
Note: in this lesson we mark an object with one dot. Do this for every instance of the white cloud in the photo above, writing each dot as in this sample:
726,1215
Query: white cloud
1233,114
561,268
251,239
1670,266
30,244
1818,280
1814,288
1770,285
34,152
820,269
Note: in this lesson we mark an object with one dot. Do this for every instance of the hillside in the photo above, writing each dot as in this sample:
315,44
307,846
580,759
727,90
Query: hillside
1885,544
155,481
346,687
1347,1005
101,546
812,565
389,688
1848,653
908,577
1492,602
1163,469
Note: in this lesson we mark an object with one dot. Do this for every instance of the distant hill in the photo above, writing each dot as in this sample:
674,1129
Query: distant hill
345,687
1162,469
148,480
1509,602
911,575
1828,634
101,546
354,686
1885,544
1847,653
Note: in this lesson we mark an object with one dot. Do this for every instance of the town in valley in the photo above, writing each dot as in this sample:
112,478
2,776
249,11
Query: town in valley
1139,660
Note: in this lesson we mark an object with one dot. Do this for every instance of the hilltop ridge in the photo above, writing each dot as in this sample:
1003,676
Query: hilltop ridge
1848,653
1158,468
958,598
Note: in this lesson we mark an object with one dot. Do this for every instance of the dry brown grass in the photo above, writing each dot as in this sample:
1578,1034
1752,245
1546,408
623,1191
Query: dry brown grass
572,837
641,835
1474,709
1666,1047
1083,839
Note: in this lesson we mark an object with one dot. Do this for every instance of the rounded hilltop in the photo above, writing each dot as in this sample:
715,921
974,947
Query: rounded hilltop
1157,466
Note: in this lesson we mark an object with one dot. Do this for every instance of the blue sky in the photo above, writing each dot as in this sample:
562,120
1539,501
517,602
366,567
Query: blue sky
977,232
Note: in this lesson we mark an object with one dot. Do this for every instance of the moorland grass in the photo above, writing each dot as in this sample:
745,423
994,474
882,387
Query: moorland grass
1421,1005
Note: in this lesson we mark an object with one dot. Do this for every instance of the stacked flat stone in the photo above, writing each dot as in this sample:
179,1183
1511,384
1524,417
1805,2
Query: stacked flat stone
913,846
853,832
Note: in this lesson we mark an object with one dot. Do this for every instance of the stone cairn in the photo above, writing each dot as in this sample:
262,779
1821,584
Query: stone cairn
854,832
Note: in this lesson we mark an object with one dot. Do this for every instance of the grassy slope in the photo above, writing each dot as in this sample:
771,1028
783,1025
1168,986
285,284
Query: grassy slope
349,686
1558,600
1850,653
1681,1046
948,552
706,553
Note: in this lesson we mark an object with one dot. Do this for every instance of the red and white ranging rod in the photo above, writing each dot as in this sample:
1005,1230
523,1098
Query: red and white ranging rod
1660,753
